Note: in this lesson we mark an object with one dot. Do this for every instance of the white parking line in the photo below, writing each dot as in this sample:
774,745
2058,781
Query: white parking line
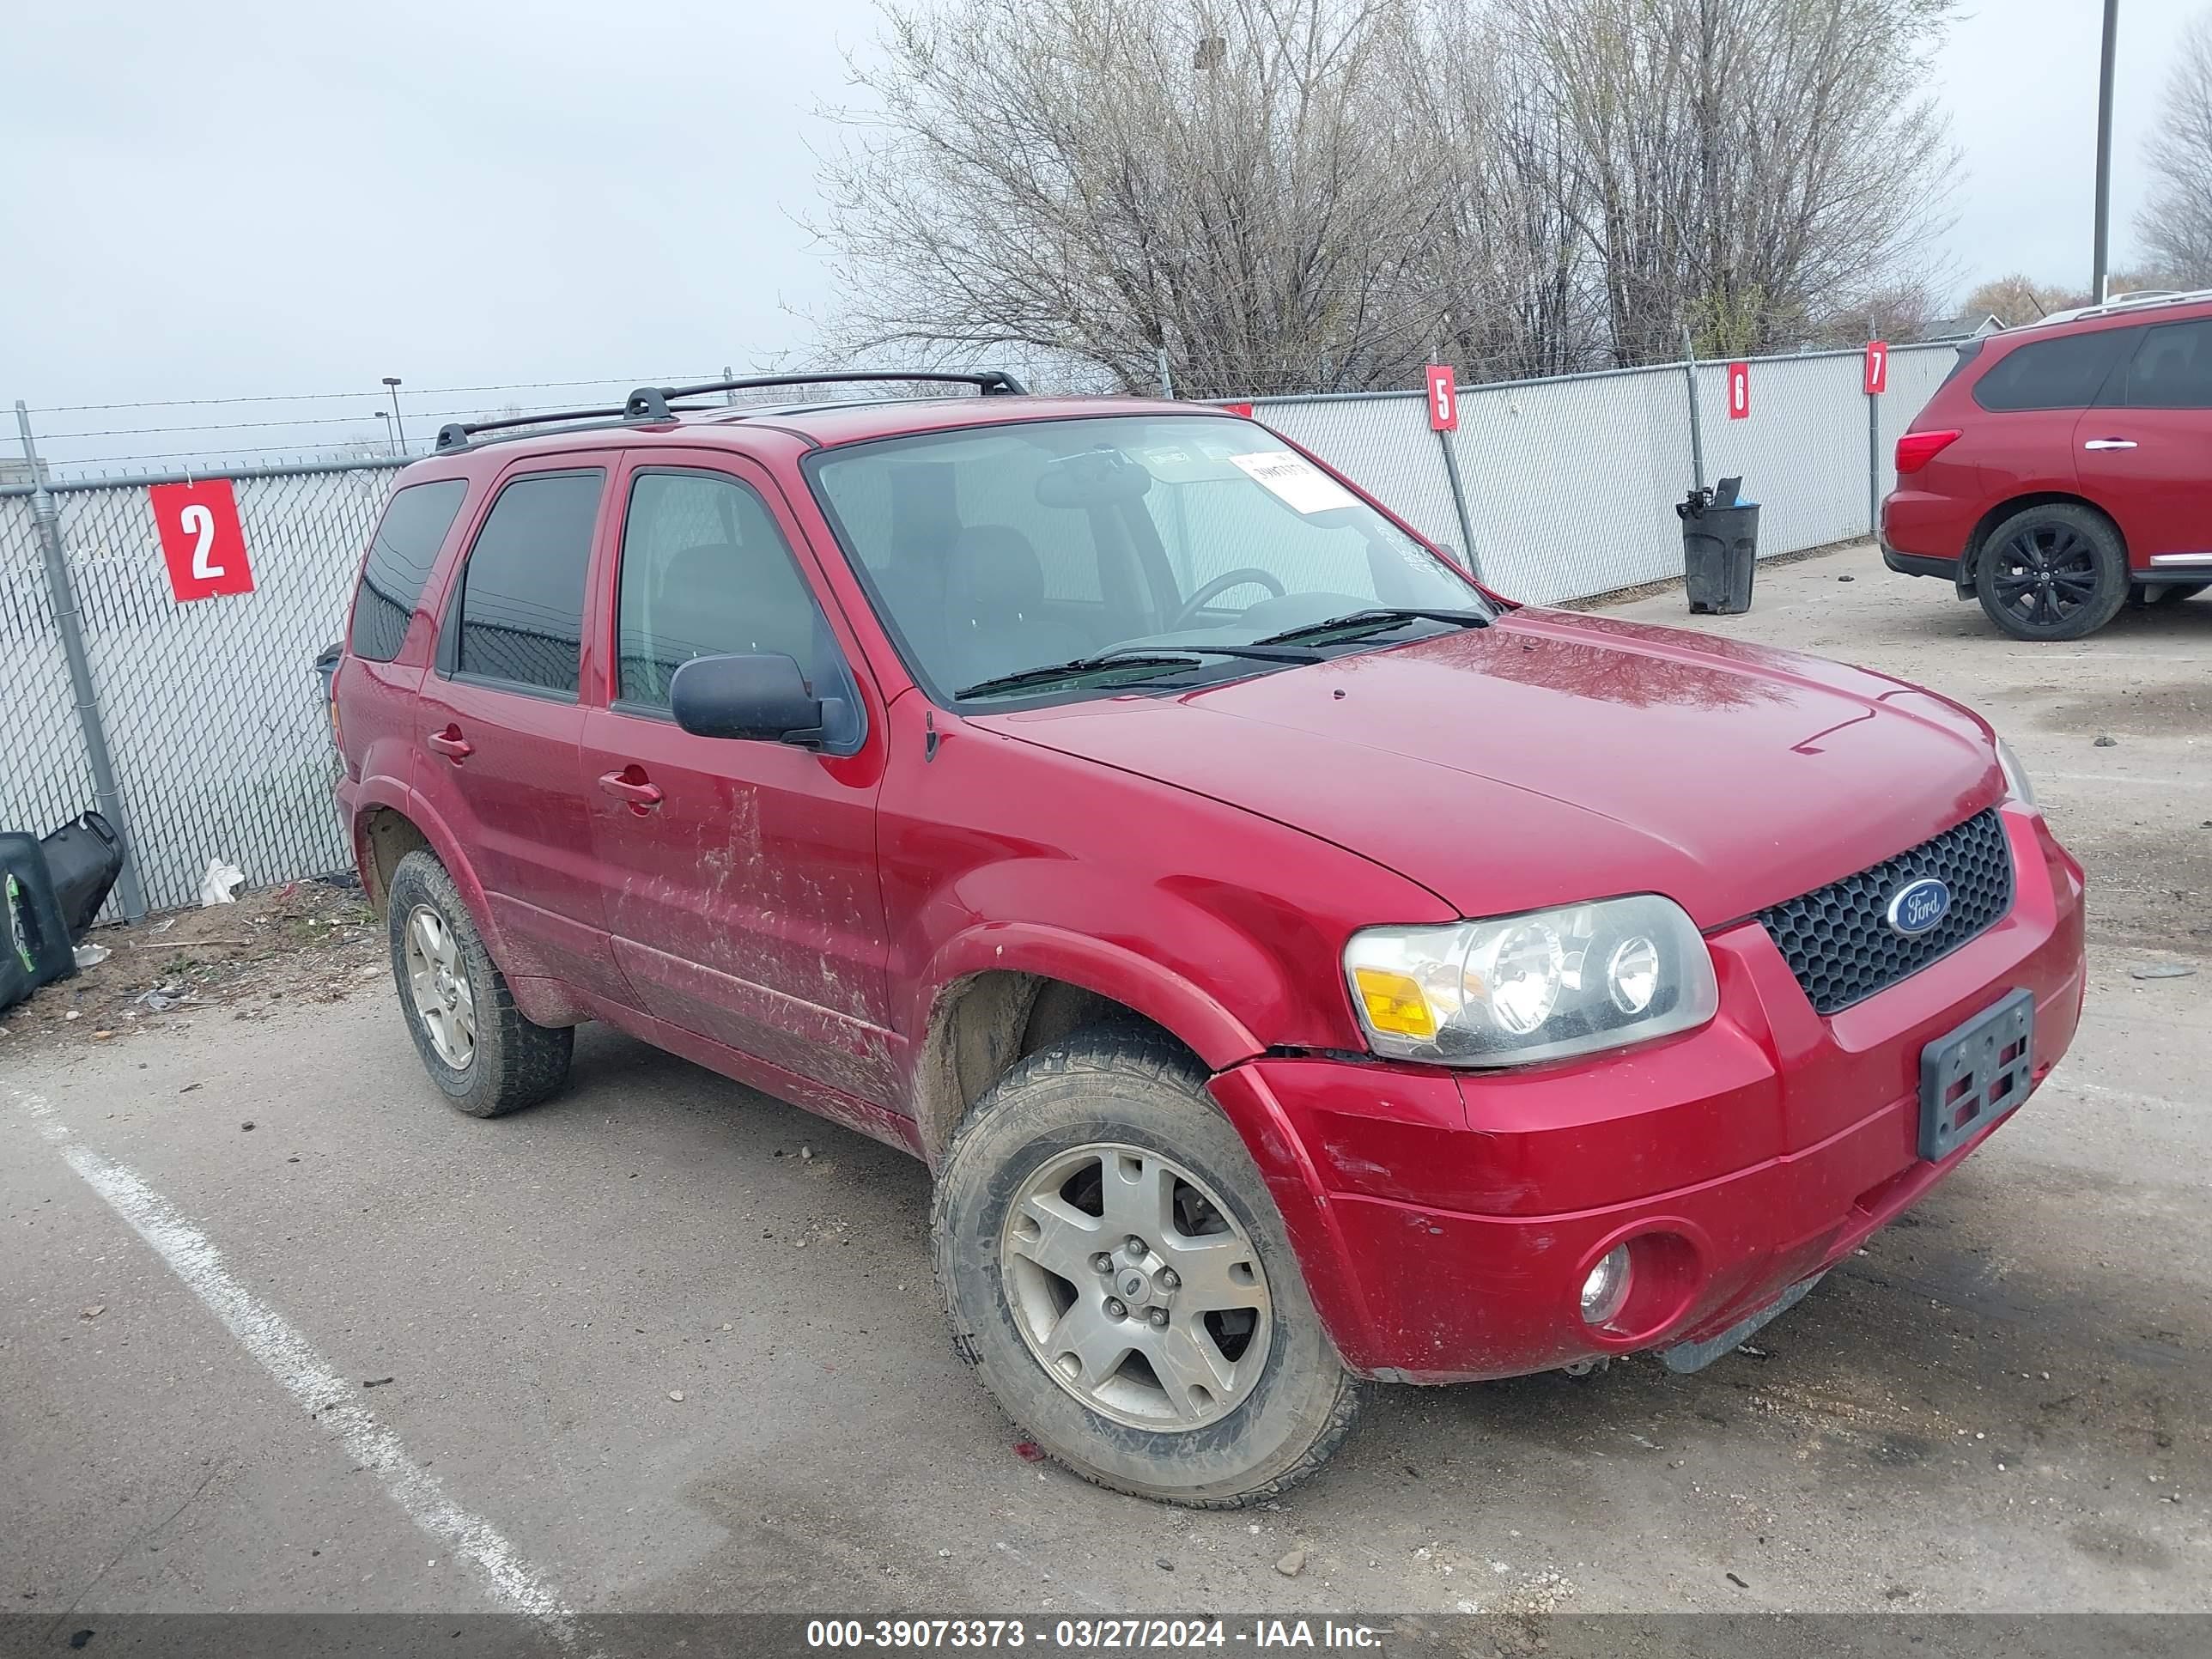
322,1392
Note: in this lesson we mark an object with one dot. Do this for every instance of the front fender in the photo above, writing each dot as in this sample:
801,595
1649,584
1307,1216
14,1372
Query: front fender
1162,996
1239,1089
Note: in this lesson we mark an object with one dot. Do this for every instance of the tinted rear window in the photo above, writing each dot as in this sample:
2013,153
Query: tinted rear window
522,592
407,539
2065,373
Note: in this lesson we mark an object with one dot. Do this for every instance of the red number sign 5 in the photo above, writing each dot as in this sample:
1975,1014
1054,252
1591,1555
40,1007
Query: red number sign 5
1443,399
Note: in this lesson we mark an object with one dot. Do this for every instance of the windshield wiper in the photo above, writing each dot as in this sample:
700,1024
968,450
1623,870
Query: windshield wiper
1375,619
1138,656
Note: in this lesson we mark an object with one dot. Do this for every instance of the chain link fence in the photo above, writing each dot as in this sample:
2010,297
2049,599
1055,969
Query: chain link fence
44,778
214,715
1568,481
217,733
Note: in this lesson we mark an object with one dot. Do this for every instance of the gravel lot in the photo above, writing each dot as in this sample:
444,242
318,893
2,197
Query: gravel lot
1999,1405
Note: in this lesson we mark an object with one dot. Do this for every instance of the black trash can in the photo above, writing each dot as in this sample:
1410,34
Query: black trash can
84,859
1720,549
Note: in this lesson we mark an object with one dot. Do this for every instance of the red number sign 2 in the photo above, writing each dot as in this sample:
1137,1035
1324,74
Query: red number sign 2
201,541
1739,391
1443,399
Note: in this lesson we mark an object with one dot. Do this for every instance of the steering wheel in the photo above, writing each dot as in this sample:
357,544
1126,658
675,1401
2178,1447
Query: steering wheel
1222,583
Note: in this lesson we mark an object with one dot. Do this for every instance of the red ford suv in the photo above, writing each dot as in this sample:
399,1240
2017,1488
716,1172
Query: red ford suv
1297,965
2063,468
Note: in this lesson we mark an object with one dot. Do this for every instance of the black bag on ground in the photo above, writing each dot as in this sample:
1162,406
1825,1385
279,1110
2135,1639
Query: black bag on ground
84,859
33,934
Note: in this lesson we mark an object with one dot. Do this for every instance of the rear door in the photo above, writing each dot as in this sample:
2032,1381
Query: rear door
500,721
381,674
2145,453
2035,395
741,889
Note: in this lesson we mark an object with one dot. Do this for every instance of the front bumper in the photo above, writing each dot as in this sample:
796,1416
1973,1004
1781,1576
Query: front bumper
1453,1216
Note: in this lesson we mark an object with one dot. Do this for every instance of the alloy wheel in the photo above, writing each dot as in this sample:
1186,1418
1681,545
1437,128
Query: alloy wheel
1136,1288
438,984
2045,573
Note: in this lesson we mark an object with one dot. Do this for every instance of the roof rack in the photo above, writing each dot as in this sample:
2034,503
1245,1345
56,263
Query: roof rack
2151,297
651,405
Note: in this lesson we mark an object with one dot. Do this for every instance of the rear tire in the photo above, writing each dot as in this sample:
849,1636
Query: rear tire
2052,573
476,1045
2172,592
1160,1402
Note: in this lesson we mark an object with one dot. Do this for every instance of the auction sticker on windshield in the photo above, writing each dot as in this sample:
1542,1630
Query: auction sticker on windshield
1301,485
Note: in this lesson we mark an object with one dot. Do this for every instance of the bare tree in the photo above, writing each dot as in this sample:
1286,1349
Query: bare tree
2176,223
1506,274
1751,166
1312,195
1902,311
1098,181
2019,299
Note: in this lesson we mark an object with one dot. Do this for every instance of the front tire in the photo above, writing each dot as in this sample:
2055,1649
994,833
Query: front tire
475,1043
2052,573
1121,1281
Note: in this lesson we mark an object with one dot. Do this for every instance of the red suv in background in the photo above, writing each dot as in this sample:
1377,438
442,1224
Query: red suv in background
2065,466
1297,964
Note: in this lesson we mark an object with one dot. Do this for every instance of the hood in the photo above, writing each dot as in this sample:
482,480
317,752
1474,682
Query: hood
1552,759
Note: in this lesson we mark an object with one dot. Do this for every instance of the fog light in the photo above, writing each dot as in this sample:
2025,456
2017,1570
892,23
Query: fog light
1606,1290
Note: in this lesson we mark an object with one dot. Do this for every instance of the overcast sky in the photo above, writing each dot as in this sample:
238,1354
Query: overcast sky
229,200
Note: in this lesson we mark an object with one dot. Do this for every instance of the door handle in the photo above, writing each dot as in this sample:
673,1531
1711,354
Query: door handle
451,743
631,785
2109,443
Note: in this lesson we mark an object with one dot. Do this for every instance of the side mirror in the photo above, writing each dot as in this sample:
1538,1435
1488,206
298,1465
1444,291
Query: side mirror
763,698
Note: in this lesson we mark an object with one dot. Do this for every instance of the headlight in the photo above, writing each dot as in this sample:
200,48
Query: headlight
1535,987
2015,777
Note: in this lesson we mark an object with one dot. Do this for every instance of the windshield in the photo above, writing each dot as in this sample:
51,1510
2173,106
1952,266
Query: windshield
1040,543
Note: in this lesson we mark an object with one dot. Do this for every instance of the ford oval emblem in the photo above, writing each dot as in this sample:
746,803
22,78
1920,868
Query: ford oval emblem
1917,906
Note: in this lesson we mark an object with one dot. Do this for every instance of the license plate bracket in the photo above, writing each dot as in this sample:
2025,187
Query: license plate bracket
1975,1075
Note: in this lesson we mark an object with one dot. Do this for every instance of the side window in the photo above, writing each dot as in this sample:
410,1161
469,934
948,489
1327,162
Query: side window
408,538
2062,374
522,590
2171,368
705,573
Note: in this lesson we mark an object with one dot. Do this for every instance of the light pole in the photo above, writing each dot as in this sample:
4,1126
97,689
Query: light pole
2101,278
390,448
391,383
